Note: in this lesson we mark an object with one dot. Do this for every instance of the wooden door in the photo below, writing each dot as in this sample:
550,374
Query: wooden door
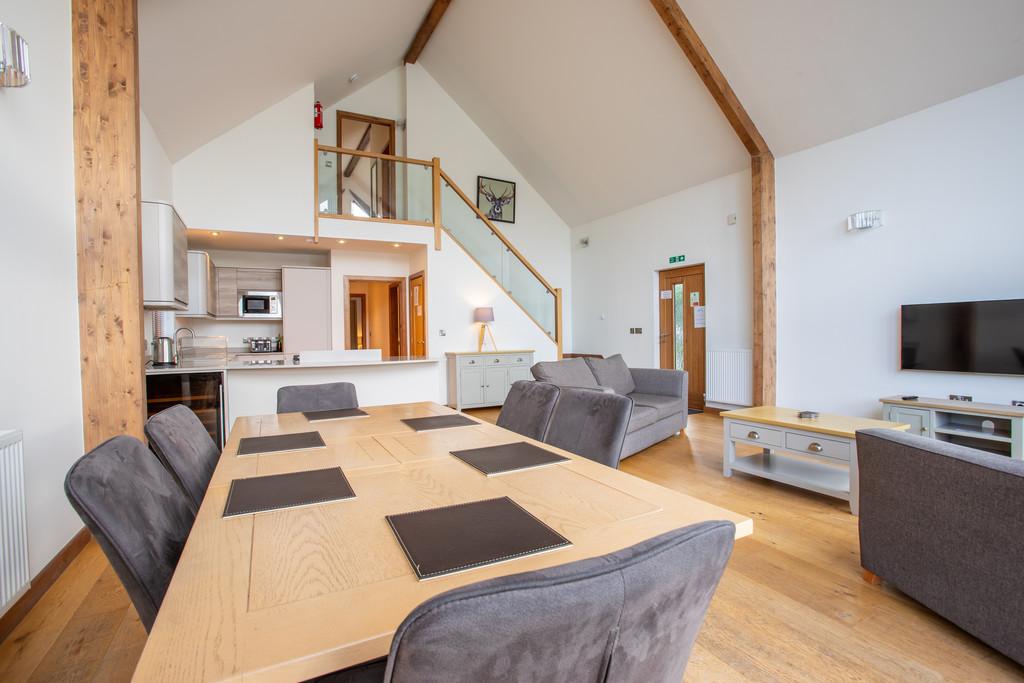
418,315
396,324
681,338
357,132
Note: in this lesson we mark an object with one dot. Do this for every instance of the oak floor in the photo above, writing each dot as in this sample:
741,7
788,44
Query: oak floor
791,606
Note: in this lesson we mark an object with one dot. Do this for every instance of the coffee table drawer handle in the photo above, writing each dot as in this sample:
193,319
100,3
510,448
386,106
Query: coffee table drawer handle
815,447
753,435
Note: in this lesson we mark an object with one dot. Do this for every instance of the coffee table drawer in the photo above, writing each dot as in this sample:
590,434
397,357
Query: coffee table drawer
838,450
755,434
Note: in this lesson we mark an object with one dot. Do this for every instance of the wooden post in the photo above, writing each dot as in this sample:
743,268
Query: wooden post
558,322
436,171
762,180
106,138
316,192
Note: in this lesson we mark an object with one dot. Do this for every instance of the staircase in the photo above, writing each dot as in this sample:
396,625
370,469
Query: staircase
396,189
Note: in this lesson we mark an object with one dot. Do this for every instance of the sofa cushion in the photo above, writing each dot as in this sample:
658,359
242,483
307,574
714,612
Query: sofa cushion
664,405
571,372
643,416
612,372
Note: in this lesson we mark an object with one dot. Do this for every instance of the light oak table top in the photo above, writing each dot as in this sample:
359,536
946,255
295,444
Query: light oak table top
825,423
291,594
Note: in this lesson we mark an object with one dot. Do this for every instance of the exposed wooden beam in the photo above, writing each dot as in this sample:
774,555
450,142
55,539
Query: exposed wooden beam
106,140
762,172
682,30
364,142
430,23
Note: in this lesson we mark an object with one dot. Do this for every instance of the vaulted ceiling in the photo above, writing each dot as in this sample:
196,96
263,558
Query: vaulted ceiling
592,100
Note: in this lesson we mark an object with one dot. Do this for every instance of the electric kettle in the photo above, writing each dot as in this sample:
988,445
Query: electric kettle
163,352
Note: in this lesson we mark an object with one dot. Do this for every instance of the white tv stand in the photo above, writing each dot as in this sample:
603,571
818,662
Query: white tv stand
986,426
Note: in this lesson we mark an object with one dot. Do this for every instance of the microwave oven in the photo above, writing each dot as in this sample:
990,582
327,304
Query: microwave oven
259,305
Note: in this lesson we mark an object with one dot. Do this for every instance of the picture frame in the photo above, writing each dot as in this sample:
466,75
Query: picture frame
496,198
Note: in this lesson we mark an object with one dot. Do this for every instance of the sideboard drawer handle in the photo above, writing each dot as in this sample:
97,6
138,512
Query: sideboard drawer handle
472,362
815,447
753,435
497,360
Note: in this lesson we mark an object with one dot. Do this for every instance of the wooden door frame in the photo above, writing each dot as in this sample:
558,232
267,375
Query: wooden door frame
426,336
683,271
348,318
388,180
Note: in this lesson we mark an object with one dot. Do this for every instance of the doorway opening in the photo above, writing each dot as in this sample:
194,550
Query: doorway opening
376,315
682,327
366,185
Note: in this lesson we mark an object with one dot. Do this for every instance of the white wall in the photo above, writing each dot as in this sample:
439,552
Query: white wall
616,275
257,177
39,352
384,97
437,126
155,167
949,180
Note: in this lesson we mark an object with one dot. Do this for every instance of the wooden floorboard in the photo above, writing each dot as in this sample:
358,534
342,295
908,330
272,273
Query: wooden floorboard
792,605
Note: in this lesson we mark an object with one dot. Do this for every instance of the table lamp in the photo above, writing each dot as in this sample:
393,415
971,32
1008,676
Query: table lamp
484,316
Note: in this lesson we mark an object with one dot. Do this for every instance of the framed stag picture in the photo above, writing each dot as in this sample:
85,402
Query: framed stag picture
496,199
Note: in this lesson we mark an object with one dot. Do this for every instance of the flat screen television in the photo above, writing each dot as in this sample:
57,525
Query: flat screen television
969,336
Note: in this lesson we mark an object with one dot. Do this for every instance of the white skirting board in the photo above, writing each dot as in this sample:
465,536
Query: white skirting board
730,377
14,577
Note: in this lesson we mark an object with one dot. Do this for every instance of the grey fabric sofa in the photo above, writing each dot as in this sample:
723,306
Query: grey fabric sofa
659,396
943,523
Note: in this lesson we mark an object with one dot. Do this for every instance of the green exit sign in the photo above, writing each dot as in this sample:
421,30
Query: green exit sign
677,259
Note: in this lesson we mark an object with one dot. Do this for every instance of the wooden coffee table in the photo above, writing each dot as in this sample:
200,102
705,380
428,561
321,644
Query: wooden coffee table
817,455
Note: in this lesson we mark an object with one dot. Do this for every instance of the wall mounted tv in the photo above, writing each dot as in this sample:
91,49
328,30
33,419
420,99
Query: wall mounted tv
970,336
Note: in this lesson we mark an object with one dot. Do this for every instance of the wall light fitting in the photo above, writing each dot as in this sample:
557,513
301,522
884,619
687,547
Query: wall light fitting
14,68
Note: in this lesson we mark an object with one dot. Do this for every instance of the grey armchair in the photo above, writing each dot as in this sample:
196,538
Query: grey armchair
659,396
943,524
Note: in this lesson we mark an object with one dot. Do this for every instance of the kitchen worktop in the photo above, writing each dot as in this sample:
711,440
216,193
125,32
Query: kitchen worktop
231,363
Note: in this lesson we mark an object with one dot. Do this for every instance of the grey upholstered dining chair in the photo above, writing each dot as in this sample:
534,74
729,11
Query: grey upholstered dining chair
136,512
590,423
185,448
632,615
528,408
310,397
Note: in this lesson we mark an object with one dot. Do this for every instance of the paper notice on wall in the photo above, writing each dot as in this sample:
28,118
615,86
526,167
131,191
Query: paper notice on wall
698,316
695,298
666,294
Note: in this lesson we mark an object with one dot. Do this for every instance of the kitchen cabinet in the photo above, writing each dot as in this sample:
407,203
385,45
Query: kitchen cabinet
306,304
259,279
202,293
476,380
227,292
164,258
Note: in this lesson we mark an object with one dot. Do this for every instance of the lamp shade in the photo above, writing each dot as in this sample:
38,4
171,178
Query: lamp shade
483,315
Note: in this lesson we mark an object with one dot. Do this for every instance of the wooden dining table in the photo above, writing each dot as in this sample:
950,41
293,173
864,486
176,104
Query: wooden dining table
290,594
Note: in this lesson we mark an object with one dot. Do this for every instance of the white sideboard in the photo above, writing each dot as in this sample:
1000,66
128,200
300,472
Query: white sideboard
989,427
479,380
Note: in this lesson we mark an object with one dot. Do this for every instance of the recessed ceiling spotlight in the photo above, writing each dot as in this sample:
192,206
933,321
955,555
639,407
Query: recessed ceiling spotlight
280,237
396,244
353,78
341,241
214,233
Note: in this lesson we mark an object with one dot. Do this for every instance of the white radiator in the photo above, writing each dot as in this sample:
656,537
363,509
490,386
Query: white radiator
730,377
14,579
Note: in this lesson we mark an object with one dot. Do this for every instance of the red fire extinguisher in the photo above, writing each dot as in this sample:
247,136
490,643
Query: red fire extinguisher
318,115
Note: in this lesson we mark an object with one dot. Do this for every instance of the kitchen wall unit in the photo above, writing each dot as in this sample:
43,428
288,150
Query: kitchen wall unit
164,258
259,279
202,286
306,300
227,292
477,380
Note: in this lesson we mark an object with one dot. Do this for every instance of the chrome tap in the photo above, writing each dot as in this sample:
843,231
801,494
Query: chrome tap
177,341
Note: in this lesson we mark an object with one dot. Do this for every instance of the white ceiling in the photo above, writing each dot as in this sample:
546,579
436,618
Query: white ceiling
595,104
207,65
590,99
810,71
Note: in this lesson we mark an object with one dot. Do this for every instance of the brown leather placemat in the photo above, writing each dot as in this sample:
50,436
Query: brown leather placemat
338,414
508,457
251,445
277,491
455,538
426,424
